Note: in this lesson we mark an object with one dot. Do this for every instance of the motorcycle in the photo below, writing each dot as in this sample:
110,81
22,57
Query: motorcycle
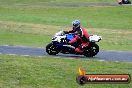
60,44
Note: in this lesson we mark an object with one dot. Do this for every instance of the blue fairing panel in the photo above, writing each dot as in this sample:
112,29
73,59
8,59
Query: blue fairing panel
59,45
70,36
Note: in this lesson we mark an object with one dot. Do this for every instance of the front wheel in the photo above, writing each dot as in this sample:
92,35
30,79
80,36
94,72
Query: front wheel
92,50
51,49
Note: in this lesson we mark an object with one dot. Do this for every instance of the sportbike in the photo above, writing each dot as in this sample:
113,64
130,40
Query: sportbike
60,44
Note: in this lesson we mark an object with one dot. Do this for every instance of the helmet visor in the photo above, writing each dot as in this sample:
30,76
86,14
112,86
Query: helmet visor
75,25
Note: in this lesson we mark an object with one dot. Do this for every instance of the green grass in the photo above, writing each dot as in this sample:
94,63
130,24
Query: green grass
117,17
14,38
49,72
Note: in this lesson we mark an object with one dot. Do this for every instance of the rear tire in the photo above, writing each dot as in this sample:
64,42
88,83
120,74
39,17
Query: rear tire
92,50
51,49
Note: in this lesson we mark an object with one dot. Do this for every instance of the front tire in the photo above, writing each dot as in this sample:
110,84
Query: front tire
51,49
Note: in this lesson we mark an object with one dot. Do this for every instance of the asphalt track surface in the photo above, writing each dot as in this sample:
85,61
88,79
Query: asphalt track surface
67,5
102,55
74,5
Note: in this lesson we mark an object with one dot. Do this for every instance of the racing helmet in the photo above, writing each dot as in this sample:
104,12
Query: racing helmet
76,23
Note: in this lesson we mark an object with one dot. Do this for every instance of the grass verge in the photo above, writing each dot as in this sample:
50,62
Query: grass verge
109,17
50,72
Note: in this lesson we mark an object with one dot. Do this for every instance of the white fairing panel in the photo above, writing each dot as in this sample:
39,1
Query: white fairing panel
60,33
58,36
95,38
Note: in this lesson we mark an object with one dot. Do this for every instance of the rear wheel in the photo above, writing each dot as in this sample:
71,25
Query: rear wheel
51,49
92,50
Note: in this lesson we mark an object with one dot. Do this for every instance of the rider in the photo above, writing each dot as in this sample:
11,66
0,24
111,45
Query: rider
82,35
